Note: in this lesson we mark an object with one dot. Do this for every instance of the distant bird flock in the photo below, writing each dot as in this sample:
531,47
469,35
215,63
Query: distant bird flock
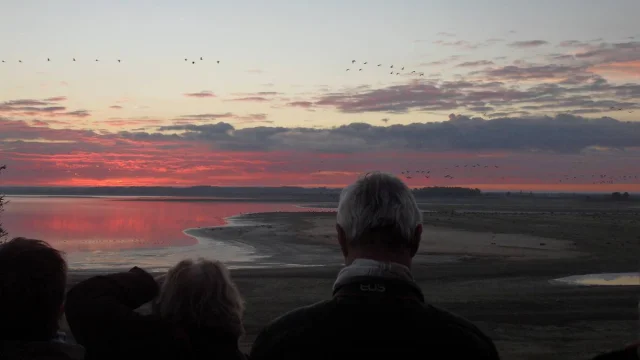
117,60
394,71
466,170
355,65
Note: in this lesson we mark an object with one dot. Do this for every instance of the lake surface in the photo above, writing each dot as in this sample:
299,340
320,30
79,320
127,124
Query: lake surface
107,233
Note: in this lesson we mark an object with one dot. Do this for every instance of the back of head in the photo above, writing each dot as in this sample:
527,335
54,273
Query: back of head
33,278
379,210
202,295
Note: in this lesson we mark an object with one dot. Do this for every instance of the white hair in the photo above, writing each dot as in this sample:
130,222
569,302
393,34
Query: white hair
201,294
378,201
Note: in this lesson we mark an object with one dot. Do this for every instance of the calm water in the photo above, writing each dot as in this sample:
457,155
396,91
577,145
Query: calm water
101,233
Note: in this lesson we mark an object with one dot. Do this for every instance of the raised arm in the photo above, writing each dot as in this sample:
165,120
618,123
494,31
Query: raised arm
101,310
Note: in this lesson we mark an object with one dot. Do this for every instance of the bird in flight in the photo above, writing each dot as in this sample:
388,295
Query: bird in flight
359,69
200,57
365,63
379,64
185,60
218,61
193,62
118,60
19,61
74,59
48,59
391,67
347,69
353,61
96,59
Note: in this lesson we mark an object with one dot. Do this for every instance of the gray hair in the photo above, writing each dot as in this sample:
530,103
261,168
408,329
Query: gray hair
378,201
201,294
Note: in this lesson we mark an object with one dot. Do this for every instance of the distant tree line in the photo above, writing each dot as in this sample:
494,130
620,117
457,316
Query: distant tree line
3,233
616,196
284,192
446,191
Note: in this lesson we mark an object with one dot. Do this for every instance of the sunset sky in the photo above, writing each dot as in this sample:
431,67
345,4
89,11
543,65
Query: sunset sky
526,94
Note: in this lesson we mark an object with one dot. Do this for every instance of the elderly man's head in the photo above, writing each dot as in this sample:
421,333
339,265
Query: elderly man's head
201,294
378,218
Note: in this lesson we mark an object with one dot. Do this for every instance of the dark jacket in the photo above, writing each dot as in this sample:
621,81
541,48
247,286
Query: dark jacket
101,314
38,350
631,352
372,317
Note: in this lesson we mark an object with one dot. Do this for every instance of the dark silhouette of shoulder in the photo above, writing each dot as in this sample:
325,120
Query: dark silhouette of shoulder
336,328
39,350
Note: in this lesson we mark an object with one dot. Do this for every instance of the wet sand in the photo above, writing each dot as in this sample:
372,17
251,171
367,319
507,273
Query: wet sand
493,268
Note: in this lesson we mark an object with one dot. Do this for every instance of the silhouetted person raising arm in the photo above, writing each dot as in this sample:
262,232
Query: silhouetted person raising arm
377,309
197,314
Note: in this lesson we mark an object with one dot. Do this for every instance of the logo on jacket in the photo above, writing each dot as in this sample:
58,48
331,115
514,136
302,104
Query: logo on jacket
374,288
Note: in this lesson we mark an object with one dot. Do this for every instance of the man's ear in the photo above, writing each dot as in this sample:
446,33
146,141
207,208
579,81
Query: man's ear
342,240
415,244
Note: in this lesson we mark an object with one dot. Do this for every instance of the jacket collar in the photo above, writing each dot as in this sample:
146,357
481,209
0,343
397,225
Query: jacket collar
377,287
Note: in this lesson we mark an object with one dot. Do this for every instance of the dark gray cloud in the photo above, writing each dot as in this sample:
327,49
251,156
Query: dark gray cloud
56,99
205,116
475,63
463,44
251,98
26,102
77,113
527,72
446,61
528,44
562,133
302,104
47,107
254,118
572,43
201,94
604,53
551,87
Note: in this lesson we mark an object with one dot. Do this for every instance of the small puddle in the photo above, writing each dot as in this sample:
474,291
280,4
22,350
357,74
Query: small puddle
611,279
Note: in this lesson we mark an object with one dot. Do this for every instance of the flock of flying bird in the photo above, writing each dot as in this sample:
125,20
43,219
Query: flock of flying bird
119,60
394,71
468,169
427,173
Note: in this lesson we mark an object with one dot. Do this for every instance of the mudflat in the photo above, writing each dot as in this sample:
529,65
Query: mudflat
492,267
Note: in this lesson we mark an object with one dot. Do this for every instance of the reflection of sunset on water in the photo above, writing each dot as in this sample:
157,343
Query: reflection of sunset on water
108,224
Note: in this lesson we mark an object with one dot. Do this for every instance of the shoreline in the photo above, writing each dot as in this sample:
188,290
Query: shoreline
506,289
